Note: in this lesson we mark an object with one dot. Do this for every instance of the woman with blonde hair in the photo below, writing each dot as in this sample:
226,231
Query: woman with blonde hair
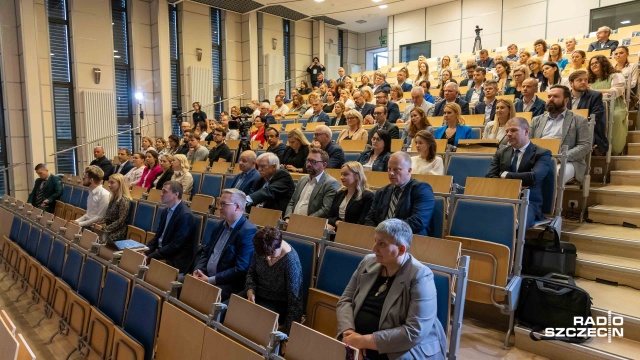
397,95
427,161
167,171
367,94
364,81
353,200
312,97
340,110
349,85
346,99
418,121
535,66
296,152
354,131
445,64
524,57
495,129
147,144
117,215
454,128
181,174
578,61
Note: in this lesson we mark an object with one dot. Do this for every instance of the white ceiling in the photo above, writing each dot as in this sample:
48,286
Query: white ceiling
349,11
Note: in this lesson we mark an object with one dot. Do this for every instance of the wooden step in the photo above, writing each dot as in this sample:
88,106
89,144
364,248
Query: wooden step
633,136
618,195
614,215
633,149
603,239
621,270
625,177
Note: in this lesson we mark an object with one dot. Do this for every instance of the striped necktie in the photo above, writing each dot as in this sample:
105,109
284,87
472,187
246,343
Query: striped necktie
394,202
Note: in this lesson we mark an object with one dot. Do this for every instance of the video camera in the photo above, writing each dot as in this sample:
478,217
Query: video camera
241,122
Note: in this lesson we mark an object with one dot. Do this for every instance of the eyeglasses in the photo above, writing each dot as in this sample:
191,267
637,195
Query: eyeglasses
223,203
314,162
378,113
350,117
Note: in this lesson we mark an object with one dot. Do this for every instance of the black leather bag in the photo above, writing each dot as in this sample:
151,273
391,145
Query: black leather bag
550,302
542,256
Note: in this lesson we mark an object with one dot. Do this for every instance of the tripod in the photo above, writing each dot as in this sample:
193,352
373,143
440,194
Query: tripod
477,44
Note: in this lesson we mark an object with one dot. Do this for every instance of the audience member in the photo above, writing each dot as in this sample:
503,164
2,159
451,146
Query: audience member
520,74
524,57
570,45
196,152
512,56
578,62
445,78
551,76
341,75
151,170
376,156
418,122
354,130
274,279
392,111
555,55
283,95
417,95
200,130
425,85
298,105
167,171
364,81
584,98
381,122
161,146
198,115
524,161
403,79
380,83
46,190
322,140
147,144
304,88
102,161
451,96
314,193
454,128
274,188
445,64
353,200
423,73
540,49
181,174
349,85
488,106
184,147
281,109
124,159
535,66
370,318
496,129
275,145
248,172
475,94
295,155
174,143
361,105
340,119
135,174
265,114
331,101
396,94
485,61
603,42
426,162
503,77
258,135
367,93
315,69
225,259
220,151
604,78
117,214
575,135
628,70
176,240
468,77
184,126
405,198
318,115
321,80
530,101
98,199
347,99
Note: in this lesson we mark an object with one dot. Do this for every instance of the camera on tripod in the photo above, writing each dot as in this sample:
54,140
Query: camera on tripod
478,30
176,111
241,122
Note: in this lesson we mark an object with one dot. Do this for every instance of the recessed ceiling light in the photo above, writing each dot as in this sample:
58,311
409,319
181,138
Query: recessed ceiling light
625,22
376,0
318,0
383,6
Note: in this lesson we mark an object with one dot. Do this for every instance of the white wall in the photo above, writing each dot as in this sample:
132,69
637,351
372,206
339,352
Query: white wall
368,41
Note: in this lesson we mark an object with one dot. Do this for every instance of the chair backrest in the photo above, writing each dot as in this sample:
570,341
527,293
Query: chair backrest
549,190
91,281
439,183
87,239
353,145
355,235
76,196
307,344
552,145
58,222
218,346
197,178
264,217
475,133
56,259
443,283
308,255
220,167
115,293
435,251
46,216
199,166
72,268
250,320
137,191
493,187
208,230
66,193
336,268
130,261
474,120
32,241
438,219
72,230
161,275
489,221
487,146
228,181
133,205
16,224
200,295
181,336
154,195
307,225
461,167
201,203
44,248
35,213
142,318
211,185
377,179
83,199
23,236
351,156
144,215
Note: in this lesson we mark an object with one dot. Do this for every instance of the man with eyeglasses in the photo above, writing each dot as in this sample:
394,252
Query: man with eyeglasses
322,140
225,259
314,193
603,42
221,149
273,140
380,116
362,106
274,188
393,111
248,172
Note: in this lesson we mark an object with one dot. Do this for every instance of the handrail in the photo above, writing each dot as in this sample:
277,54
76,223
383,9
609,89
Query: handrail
608,98
182,114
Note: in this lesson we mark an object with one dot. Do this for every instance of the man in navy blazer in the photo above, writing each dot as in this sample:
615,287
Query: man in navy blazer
529,101
485,61
450,95
592,101
249,174
414,201
490,92
401,77
530,164
479,76
175,241
225,260
393,111
274,188
603,42
319,115
362,106
125,164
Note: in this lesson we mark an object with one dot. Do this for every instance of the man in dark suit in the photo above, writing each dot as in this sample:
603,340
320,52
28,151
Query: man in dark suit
603,42
225,260
450,95
402,76
274,188
175,241
405,198
380,116
321,80
529,101
322,139
362,106
46,190
380,83
584,98
102,161
273,140
488,106
393,111
471,68
485,61
475,94
125,165
265,109
318,115
525,161
249,174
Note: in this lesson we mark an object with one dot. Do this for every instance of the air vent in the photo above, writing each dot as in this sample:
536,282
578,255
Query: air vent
361,21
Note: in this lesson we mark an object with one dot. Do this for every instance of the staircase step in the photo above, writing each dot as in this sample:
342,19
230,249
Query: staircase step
612,214
603,239
625,177
618,195
621,270
633,136
633,149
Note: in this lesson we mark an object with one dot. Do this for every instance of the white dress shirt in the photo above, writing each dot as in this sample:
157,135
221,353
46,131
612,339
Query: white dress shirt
302,207
553,127
134,175
97,204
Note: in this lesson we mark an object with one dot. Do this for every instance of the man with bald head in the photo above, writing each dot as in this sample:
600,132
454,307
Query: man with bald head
417,94
529,101
451,95
102,161
404,198
249,174
184,126
322,140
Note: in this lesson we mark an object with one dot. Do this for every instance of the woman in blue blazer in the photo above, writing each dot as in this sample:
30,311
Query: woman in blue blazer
454,130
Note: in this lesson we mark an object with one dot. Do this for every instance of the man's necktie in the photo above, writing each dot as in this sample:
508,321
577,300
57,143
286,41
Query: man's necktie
40,193
514,162
394,202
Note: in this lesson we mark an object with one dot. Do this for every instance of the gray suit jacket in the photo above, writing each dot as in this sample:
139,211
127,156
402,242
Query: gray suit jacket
409,328
575,134
321,196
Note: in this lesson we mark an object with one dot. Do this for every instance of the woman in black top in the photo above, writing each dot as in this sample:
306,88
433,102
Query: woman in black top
377,157
353,200
167,171
295,155
331,102
304,88
198,115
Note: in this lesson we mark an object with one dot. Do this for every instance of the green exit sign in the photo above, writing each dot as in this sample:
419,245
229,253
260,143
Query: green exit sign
383,40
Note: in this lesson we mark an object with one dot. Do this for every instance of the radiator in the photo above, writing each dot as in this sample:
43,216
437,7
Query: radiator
99,121
201,89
